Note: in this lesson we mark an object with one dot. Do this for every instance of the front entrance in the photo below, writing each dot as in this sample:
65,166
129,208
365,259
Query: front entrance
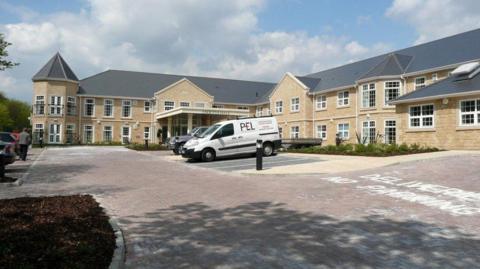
54,133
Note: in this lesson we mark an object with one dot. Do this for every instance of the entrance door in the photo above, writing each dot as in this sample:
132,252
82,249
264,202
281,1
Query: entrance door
54,133
126,134
164,133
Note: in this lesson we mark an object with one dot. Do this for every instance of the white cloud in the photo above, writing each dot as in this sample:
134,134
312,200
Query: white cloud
433,19
211,37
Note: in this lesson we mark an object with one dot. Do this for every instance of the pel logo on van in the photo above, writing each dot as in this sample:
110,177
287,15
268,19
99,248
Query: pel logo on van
246,126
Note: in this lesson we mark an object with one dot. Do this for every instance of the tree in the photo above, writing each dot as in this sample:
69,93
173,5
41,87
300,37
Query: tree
19,112
4,63
5,120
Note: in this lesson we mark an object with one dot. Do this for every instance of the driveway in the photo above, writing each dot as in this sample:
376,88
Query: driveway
421,214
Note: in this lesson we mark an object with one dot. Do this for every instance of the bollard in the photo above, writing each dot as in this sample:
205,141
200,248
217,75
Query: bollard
146,143
2,165
259,154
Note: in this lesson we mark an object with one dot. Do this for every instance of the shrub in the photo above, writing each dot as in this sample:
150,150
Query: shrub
141,147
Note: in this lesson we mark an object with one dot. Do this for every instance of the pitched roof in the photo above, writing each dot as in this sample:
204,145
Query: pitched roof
144,85
447,51
55,69
309,82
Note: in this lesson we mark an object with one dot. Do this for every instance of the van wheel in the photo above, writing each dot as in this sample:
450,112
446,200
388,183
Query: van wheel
267,149
208,155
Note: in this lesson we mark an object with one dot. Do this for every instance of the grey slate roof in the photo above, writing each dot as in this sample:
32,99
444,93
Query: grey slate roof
451,85
55,69
443,52
140,84
393,64
309,82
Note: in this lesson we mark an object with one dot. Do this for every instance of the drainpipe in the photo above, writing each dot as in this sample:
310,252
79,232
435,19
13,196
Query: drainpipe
314,107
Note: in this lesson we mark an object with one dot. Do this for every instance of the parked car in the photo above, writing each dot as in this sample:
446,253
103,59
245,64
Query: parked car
10,138
8,152
234,137
176,143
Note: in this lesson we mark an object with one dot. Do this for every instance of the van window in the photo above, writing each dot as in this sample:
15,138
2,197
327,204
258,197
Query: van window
209,131
226,130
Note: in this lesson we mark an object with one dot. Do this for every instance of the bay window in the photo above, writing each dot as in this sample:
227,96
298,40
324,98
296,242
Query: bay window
392,91
368,95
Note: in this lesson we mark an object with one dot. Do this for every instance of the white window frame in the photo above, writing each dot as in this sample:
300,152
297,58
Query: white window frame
127,103
147,106
297,132
60,127
69,129
417,87
279,107
385,88
243,108
56,102
321,102
280,131
343,101
71,110
367,94
40,102
476,113
84,133
85,105
183,103
385,127
111,133
200,104
344,131
170,106
105,108
322,133
369,139
434,77
36,125
421,117
129,133
145,136
295,107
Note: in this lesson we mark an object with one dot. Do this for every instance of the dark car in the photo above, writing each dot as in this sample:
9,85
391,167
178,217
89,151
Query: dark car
8,152
176,143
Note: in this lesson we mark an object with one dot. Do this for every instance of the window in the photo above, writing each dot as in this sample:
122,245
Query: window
369,132
421,116
242,108
70,133
295,104
279,107
368,95
294,132
390,132
419,83
107,134
168,105
38,127
89,107
218,106
108,108
55,105
88,134
343,130
54,133
280,131
258,111
126,108
39,105
392,91
182,104
226,130
321,102
125,134
342,98
322,131
147,106
199,104
71,107
434,77
146,133
470,112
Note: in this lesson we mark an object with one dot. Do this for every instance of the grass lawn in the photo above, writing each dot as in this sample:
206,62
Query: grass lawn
54,232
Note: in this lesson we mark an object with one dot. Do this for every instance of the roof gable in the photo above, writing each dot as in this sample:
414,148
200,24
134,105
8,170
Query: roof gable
55,69
393,65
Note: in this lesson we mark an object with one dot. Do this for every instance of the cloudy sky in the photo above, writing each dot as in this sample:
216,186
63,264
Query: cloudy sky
243,39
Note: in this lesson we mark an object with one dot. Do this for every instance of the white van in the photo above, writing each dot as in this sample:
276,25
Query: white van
234,137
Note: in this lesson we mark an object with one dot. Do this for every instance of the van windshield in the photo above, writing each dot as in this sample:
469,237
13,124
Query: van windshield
210,130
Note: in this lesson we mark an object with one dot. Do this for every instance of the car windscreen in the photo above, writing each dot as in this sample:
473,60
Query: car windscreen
200,131
6,137
210,130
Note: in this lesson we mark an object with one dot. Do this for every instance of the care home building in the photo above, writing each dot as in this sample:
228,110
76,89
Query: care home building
427,94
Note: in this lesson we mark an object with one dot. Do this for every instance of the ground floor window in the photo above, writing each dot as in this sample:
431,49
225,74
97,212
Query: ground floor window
280,131
294,132
126,134
70,133
470,112
54,133
368,132
390,132
146,132
88,134
421,116
107,133
343,130
322,131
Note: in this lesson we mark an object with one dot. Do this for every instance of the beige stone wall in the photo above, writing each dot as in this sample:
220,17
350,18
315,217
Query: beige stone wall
184,91
447,133
428,76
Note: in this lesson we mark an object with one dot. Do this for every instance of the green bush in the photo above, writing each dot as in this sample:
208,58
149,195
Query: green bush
141,147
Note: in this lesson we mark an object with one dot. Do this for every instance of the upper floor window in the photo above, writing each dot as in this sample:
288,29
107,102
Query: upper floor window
55,105
126,108
242,107
39,105
108,108
342,98
321,102
89,107
421,116
218,106
147,106
470,112
392,91
434,77
419,83
343,130
368,95
199,104
71,107
295,104
184,104
279,107
168,105
322,131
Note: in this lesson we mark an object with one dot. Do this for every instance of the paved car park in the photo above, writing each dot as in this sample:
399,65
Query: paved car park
421,214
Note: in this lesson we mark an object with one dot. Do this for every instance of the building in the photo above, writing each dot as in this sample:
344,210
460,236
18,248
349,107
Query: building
424,94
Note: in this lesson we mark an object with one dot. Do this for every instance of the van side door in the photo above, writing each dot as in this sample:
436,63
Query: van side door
225,141
247,136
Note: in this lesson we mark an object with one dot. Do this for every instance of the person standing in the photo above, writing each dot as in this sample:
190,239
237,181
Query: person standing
24,142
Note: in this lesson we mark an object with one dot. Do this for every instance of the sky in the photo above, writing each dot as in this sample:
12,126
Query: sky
239,39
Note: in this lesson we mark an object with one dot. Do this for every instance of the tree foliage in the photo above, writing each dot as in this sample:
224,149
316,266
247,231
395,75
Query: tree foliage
4,63
13,114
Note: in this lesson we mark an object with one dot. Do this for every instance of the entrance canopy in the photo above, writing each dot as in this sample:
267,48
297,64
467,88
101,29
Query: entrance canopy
203,111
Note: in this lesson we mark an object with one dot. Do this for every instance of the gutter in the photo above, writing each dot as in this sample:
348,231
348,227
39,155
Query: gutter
429,98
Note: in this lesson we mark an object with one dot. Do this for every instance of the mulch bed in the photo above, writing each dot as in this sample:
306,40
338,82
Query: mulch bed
54,232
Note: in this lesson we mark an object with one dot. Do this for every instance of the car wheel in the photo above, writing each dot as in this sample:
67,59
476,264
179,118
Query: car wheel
180,148
208,155
267,149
